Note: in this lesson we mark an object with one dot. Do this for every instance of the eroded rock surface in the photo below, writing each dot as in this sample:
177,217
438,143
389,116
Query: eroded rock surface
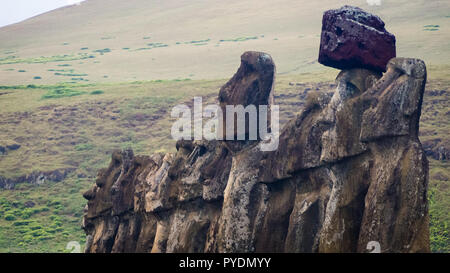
252,84
35,178
349,170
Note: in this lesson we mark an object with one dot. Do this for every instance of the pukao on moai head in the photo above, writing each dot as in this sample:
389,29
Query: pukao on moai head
354,38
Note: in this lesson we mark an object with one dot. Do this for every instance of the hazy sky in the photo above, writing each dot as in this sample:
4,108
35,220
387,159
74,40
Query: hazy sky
13,11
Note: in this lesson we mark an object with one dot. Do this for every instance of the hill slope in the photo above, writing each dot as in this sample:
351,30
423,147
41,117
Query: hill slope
195,39
77,109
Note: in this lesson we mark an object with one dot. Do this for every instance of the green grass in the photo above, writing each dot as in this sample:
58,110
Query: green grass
84,147
60,70
79,80
199,42
240,39
48,226
97,92
152,46
431,27
62,93
49,59
70,74
439,205
102,51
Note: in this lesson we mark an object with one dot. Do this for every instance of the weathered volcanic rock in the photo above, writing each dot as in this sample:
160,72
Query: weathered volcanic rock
349,170
35,178
353,38
251,85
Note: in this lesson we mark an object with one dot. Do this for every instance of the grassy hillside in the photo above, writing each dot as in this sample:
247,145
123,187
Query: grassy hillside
81,81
